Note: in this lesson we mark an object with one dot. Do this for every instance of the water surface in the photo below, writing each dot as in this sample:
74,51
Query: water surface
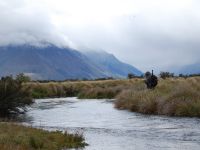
106,128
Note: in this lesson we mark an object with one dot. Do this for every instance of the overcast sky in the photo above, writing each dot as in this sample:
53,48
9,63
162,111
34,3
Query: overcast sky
149,34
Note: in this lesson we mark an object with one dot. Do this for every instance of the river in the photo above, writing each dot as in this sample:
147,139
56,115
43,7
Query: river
106,128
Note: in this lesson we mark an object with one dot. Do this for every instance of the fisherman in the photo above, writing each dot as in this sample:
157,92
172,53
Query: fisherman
150,80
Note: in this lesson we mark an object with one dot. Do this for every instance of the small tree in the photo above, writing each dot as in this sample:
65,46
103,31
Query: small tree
165,75
181,75
131,75
13,97
23,78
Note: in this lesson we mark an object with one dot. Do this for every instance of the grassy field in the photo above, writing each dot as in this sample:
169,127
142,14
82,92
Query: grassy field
172,96
16,137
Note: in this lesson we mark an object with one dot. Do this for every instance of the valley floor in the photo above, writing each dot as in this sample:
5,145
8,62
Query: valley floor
172,97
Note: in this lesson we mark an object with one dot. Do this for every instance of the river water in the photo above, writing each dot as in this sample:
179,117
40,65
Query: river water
106,128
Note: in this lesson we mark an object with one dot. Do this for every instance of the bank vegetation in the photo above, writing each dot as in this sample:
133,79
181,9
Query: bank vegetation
173,96
17,137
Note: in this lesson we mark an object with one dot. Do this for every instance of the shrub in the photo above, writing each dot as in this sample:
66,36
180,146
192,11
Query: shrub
13,97
22,78
165,75
131,75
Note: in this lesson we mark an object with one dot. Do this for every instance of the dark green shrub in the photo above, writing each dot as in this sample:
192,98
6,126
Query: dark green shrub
13,97
23,78
165,75
131,75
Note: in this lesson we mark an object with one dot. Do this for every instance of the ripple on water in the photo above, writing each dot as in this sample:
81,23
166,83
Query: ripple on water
107,128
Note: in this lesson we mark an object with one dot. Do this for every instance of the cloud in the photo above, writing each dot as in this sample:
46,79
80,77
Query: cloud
158,35
22,23
149,34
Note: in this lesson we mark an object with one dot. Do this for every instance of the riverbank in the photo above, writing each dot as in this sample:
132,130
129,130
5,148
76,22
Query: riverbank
107,128
172,96
19,137
82,89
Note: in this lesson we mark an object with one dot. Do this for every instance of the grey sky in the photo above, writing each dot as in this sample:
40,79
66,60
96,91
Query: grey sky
149,34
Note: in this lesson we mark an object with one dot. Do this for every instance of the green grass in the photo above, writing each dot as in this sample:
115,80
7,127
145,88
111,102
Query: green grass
16,137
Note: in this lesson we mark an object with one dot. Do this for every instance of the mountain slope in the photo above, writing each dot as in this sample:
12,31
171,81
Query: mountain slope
53,63
190,69
111,65
50,63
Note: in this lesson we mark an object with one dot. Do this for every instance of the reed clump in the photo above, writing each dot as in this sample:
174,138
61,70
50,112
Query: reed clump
81,89
173,97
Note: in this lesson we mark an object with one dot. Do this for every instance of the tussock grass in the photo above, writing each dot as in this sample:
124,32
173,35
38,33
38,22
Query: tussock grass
16,137
53,89
81,89
174,97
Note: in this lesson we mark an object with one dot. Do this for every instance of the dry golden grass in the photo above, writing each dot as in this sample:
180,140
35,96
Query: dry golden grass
82,89
174,97
16,137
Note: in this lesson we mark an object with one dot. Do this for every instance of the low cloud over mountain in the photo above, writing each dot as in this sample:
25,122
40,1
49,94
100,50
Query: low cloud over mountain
54,63
151,34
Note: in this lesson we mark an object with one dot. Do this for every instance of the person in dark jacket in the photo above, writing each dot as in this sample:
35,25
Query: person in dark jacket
151,80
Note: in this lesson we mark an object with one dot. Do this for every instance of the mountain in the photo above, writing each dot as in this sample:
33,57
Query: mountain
50,63
53,63
111,65
190,69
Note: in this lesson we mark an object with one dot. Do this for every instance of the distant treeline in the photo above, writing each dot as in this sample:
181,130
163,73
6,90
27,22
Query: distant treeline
74,80
164,75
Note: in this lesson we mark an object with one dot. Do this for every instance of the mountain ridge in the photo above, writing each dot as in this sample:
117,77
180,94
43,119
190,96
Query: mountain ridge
111,64
50,63
190,69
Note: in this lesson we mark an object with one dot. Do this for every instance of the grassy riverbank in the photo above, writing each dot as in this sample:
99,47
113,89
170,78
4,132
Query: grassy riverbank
172,96
81,89
16,137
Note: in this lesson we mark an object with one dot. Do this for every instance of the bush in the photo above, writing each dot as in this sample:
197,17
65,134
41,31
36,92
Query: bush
23,78
131,75
13,97
165,75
